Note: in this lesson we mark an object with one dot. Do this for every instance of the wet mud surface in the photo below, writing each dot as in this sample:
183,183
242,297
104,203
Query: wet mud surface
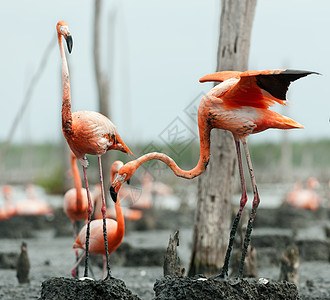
67,288
137,265
174,287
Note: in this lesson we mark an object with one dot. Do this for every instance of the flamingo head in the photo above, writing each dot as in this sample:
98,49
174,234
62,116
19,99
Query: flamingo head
312,183
63,29
115,168
124,174
7,189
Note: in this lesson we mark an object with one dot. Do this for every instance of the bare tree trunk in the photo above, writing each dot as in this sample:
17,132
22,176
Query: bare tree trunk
103,86
215,187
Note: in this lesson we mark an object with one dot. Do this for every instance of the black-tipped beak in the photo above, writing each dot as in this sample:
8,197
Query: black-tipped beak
69,42
128,181
113,194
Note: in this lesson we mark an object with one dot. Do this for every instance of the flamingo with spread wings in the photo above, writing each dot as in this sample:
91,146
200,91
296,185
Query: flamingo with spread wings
239,104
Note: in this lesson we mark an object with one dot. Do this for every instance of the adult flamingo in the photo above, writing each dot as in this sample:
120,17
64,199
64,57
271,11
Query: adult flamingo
115,230
75,200
86,132
240,105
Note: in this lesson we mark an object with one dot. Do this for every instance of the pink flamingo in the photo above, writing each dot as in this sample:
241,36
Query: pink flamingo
8,210
86,132
32,206
305,198
240,105
115,230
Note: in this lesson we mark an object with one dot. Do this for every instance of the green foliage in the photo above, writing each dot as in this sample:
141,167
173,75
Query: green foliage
47,163
53,183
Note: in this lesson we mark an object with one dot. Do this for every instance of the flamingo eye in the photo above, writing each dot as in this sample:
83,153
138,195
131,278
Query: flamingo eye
121,178
64,30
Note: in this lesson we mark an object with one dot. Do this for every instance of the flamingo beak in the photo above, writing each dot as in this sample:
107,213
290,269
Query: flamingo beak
113,194
114,188
128,181
69,42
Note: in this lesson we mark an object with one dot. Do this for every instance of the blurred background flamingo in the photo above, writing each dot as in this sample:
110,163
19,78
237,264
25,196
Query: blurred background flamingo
75,199
8,209
305,198
32,205
149,189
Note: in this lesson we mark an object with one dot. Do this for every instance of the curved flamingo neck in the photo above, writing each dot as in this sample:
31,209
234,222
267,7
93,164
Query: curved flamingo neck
119,213
204,156
120,222
8,199
66,103
77,181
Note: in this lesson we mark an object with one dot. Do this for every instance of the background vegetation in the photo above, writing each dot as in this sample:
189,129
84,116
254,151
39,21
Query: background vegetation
48,164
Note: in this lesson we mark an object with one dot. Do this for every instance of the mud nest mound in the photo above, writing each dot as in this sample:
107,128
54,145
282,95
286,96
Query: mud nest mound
75,289
176,288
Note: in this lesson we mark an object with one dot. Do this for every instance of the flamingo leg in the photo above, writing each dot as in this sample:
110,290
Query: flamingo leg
224,271
89,211
104,209
256,201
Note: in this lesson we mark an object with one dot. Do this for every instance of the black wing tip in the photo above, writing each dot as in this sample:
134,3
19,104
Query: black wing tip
299,72
277,83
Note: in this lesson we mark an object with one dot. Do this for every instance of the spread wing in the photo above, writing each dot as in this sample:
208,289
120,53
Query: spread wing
260,89
220,76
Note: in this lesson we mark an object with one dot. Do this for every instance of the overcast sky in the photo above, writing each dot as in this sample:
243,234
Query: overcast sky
161,49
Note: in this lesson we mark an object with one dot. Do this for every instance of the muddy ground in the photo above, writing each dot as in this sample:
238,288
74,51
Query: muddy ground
51,255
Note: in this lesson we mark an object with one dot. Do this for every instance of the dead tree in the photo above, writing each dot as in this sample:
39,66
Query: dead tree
290,264
103,84
23,265
215,187
172,265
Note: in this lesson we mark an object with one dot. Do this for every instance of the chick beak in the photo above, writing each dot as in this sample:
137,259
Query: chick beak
69,42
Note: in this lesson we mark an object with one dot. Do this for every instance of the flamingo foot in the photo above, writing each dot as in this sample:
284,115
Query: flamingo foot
109,277
74,273
220,277
235,281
